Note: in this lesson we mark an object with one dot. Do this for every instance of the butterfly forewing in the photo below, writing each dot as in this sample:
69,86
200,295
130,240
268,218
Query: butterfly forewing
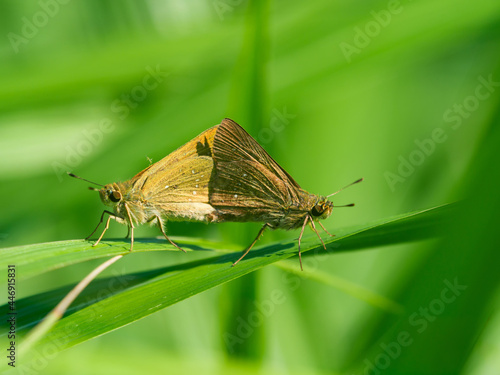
176,187
199,146
183,181
232,142
246,176
246,184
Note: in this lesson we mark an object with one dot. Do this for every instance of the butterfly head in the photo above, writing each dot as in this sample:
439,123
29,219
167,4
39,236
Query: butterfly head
111,195
322,209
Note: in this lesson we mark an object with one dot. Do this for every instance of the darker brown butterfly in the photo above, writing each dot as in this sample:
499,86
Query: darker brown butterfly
247,184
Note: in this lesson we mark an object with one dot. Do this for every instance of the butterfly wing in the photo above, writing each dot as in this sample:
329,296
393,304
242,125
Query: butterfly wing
176,187
199,146
183,181
247,178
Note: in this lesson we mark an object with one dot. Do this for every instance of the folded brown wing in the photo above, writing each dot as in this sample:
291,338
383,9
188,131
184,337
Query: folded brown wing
183,174
181,182
245,175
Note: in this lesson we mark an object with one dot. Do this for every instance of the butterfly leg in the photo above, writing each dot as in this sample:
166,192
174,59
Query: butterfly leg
131,238
131,226
316,231
163,231
300,239
128,232
331,235
104,231
261,231
100,221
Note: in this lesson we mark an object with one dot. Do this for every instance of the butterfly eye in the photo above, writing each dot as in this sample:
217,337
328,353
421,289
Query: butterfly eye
115,196
317,210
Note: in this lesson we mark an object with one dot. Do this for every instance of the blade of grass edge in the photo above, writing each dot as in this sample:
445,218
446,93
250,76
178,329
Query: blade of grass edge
48,322
118,310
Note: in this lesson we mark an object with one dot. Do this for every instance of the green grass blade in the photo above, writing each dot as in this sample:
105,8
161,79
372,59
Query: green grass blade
32,260
161,288
345,286
58,312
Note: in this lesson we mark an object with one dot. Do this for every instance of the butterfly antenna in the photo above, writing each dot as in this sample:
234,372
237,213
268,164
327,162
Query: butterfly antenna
81,178
345,187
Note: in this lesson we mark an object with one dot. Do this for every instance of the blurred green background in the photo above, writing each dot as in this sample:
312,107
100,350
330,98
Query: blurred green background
404,94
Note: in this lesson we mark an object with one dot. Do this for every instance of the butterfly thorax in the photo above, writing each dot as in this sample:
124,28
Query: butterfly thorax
314,206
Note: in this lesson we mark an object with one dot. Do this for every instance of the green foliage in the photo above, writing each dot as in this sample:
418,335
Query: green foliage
144,293
404,94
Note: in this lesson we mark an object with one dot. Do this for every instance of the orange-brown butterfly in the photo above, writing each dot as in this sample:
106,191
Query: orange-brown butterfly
248,185
174,188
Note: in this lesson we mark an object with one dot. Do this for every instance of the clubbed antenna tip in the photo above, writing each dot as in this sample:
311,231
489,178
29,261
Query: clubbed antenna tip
345,187
80,178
